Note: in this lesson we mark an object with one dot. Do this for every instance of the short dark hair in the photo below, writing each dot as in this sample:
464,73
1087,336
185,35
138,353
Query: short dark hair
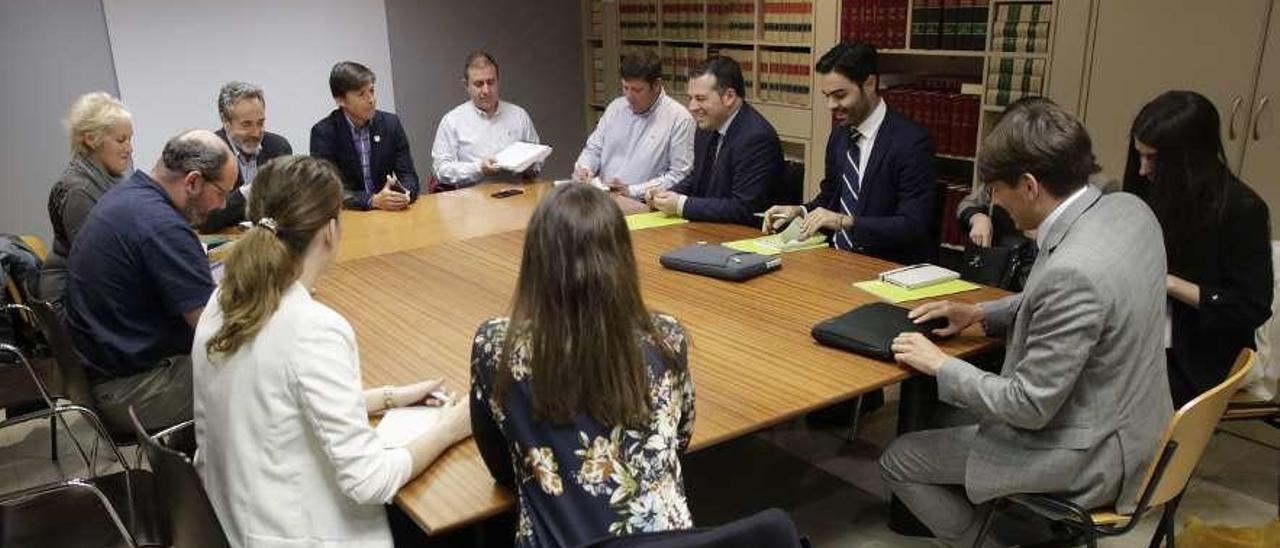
853,60
641,65
727,72
1040,139
189,152
348,76
478,59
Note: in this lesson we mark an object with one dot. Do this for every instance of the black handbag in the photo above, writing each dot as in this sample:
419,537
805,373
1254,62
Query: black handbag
869,329
719,261
1003,266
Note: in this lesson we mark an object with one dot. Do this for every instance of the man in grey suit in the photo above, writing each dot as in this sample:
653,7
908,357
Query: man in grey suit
1082,398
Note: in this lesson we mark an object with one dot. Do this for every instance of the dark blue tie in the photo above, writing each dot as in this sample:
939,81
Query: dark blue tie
850,187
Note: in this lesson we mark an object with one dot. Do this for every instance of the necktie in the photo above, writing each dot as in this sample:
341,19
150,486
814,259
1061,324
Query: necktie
713,151
850,186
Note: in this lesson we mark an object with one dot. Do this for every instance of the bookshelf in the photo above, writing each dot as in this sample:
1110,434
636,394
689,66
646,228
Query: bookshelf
934,49
759,34
952,66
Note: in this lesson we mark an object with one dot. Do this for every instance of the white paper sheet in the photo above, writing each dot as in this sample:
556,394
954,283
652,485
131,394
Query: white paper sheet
401,425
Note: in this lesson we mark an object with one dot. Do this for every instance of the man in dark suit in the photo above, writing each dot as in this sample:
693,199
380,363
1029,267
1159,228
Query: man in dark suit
243,110
737,168
368,145
879,194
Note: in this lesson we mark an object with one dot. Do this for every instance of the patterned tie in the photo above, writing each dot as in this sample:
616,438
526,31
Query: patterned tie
850,186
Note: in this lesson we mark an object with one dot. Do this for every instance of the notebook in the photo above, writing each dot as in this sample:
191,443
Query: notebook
918,276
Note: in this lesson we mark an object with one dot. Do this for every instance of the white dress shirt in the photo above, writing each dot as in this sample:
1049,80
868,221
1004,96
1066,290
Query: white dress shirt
467,136
868,129
286,451
650,149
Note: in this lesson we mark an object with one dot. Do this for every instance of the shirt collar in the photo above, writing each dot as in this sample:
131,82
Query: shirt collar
352,123
485,115
1042,231
870,125
662,94
724,128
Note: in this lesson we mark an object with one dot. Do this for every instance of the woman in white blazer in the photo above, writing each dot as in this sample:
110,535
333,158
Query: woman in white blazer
286,451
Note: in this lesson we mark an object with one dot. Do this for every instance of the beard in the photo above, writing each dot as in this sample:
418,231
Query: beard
250,147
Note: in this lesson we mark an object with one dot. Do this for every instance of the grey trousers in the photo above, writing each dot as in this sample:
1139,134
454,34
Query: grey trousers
161,397
925,470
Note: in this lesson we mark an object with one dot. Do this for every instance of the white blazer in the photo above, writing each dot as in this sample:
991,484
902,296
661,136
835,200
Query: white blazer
286,451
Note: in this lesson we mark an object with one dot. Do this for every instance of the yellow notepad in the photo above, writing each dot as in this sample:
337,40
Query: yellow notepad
641,221
772,245
896,294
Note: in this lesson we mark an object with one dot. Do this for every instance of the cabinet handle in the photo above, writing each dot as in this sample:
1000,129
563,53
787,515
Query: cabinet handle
1257,116
1231,118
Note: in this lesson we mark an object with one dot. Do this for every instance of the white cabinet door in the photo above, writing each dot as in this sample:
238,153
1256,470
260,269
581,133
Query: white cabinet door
1145,47
1261,168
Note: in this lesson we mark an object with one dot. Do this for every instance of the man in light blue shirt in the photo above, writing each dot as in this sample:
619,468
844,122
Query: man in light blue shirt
644,139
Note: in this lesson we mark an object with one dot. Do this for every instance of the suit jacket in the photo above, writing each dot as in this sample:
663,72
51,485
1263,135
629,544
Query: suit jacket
287,422
273,146
389,153
1082,398
745,178
896,217
1232,266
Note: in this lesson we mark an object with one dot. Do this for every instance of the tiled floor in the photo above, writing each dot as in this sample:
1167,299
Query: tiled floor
831,487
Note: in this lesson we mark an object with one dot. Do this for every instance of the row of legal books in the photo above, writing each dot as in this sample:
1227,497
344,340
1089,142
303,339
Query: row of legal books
1021,28
682,19
731,19
785,77
746,59
787,22
949,24
598,94
597,18
1010,79
881,23
638,18
677,61
950,117
953,191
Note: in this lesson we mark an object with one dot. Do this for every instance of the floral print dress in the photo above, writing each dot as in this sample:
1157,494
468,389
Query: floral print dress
585,480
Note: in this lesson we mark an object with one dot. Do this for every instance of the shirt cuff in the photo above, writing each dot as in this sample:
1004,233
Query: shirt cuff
404,470
680,205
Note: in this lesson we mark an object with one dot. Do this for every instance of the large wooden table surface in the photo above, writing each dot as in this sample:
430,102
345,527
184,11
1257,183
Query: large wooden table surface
416,303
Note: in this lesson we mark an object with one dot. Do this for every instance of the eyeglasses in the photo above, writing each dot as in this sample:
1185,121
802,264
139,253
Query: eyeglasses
222,192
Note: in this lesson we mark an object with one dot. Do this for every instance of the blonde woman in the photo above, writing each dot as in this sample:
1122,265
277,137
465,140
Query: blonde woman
101,152
286,451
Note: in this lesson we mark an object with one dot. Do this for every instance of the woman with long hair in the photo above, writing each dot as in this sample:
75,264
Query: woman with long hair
101,153
1216,236
286,451
582,399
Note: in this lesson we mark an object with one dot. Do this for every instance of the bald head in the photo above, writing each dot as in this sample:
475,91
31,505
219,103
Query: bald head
197,171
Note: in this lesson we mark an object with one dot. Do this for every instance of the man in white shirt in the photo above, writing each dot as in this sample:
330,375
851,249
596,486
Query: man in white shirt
470,135
645,138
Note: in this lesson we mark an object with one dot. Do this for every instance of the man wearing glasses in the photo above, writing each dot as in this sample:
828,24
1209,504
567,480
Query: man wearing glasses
138,280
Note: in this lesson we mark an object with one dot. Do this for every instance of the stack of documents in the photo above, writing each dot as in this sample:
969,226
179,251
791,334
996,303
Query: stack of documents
520,156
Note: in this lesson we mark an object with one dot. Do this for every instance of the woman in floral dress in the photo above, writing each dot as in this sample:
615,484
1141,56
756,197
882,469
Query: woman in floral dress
582,400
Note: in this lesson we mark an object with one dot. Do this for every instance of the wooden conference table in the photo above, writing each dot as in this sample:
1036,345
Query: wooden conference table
415,285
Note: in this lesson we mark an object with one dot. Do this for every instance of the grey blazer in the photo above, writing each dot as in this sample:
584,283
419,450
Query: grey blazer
1083,396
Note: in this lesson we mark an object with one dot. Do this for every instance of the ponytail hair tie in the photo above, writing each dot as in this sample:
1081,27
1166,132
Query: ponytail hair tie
269,224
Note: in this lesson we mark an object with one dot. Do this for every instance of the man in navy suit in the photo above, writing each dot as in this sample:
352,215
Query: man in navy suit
368,145
879,195
737,168
243,109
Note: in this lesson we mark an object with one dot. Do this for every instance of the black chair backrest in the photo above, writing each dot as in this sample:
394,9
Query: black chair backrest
75,383
771,528
187,517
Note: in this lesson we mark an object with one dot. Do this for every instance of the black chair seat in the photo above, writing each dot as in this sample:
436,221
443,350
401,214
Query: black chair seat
75,518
